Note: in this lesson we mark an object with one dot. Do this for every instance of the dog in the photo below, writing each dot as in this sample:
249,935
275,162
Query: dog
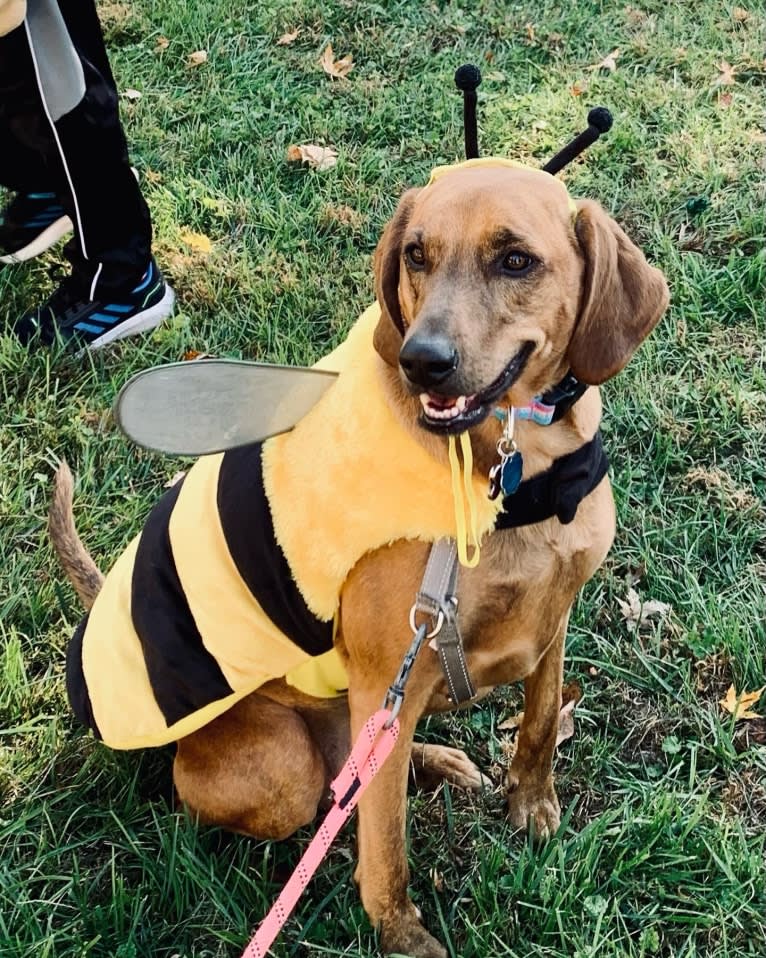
493,287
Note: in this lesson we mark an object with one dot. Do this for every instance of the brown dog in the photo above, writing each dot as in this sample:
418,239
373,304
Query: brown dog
491,291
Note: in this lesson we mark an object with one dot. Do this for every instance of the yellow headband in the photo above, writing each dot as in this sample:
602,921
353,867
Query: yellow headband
438,172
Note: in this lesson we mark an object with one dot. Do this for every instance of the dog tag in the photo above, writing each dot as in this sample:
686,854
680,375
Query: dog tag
510,473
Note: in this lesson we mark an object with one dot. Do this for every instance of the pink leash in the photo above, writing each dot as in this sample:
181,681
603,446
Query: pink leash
371,749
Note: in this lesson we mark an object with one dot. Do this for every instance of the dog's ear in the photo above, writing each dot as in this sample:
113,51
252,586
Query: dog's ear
621,302
390,329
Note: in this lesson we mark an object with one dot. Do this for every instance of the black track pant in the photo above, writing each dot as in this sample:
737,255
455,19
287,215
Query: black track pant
60,132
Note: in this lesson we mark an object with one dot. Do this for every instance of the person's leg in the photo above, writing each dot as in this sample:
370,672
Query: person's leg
72,121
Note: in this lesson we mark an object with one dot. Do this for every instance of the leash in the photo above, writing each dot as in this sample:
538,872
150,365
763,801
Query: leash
437,603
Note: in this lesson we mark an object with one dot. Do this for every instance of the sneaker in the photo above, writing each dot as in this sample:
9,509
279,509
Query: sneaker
82,323
29,224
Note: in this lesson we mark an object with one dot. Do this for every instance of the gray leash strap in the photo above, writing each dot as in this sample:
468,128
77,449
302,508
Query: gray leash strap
437,600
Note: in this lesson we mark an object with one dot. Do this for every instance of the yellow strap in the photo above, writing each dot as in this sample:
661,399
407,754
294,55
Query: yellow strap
463,493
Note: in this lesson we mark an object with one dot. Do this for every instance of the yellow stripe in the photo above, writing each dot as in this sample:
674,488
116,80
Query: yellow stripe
249,648
120,693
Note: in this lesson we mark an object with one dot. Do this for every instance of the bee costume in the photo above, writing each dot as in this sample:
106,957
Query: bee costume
236,577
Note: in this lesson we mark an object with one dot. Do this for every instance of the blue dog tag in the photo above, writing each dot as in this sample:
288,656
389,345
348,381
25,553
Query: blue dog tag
510,473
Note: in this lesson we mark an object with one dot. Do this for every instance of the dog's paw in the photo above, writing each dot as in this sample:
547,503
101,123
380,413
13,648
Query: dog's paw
407,938
535,801
433,764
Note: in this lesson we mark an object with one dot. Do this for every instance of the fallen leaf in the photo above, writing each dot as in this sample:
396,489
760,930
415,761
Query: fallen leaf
438,879
724,100
175,478
162,44
739,705
740,14
608,63
197,58
530,30
198,241
191,355
132,94
287,38
726,74
339,69
566,723
577,89
511,723
314,156
638,614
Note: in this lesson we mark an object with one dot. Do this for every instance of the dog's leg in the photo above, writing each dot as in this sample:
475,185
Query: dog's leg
434,764
530,778
383,872
255,769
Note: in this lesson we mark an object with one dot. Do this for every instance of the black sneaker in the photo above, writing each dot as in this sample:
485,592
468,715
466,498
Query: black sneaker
84,323
30,224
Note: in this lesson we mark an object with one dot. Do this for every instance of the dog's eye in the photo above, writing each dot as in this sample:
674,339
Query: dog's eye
415,256
516,262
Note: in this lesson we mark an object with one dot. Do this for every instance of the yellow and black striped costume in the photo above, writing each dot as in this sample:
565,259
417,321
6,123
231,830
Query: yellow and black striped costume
236,577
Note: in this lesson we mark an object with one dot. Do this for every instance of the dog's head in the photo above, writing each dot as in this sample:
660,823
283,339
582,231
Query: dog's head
491,286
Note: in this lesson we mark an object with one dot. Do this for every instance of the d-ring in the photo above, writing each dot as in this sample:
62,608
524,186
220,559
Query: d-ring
436,629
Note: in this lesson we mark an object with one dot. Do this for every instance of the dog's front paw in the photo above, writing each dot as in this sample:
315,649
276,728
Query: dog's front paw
405,936
536,801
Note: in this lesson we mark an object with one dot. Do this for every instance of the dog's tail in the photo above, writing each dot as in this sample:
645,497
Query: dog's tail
75,559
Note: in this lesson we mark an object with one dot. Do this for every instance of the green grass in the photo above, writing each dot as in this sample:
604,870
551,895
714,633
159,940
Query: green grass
662,850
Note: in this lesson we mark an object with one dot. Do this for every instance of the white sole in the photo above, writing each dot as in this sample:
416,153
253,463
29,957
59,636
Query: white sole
50,235
140,323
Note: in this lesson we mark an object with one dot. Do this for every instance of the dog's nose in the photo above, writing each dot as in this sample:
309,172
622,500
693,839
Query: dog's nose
428,360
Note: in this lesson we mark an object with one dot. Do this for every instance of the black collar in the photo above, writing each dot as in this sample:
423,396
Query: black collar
559,490
563,395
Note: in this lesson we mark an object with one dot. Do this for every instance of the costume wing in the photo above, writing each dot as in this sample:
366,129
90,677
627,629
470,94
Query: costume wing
210,405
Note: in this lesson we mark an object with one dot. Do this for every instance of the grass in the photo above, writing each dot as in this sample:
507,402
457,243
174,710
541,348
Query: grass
662,849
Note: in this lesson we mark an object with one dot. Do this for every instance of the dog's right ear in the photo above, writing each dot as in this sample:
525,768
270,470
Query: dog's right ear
390,330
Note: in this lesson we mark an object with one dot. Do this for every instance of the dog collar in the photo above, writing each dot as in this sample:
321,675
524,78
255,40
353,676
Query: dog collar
552,405
559,490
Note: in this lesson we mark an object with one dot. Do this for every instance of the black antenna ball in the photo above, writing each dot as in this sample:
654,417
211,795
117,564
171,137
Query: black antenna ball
467,77
601,118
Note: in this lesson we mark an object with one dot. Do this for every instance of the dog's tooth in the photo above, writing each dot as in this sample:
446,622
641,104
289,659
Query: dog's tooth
460,403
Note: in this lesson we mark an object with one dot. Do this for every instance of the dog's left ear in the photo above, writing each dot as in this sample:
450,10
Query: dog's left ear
622,300
389,332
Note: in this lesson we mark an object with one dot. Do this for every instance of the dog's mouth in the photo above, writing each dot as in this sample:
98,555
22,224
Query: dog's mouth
454,414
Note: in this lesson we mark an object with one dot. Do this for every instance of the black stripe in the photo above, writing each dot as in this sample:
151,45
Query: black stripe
249,531
559,490
76,687
183,675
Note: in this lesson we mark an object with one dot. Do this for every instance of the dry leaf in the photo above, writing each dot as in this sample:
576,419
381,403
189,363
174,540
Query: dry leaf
511,723
724,100
577,89
566,723
339,69
726,74
740,14
175,478
198,241
638,614
191,355
314,156
162,44
197,58
287,38
739,705
530,31
132,94
608,63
